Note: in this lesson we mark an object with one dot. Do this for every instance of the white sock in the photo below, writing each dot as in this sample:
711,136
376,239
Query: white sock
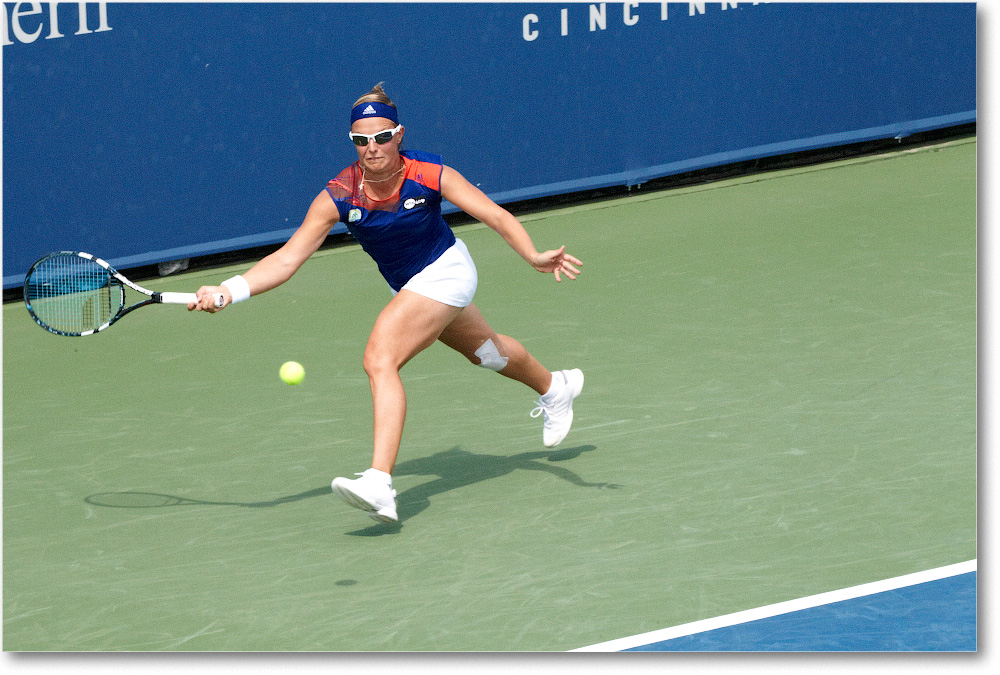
557,384
381,476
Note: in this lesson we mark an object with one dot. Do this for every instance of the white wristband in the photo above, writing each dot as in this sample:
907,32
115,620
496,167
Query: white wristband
238,288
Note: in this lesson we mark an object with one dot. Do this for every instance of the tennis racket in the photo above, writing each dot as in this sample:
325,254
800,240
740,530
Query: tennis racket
72,293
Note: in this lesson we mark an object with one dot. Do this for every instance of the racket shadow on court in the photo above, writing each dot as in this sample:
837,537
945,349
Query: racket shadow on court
457,468
151,500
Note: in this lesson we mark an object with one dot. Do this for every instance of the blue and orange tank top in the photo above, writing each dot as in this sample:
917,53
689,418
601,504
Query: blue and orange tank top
405,233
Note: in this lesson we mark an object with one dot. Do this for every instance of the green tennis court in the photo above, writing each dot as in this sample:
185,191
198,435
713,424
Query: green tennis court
780,401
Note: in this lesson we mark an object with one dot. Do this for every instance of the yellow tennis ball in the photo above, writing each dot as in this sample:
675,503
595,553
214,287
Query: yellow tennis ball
292,372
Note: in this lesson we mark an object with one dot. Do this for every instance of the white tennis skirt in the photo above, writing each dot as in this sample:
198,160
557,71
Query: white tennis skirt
451,279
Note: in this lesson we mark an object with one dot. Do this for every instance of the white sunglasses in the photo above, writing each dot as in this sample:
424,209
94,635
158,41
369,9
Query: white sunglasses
382,137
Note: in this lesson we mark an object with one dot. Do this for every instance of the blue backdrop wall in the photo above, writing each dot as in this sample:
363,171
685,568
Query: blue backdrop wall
150,132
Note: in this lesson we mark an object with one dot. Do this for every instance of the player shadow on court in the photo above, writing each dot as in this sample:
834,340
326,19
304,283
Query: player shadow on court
454,468
457,468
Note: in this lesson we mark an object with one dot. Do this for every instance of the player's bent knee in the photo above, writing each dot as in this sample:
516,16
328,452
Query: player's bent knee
376,363
489,357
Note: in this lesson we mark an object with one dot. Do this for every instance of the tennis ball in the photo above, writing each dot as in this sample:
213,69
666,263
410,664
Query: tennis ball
292,372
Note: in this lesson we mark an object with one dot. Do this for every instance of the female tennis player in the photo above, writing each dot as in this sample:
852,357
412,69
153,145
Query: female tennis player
390,201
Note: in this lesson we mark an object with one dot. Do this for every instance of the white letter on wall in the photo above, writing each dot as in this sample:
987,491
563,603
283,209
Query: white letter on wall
15,21
529,33
629,19
598,17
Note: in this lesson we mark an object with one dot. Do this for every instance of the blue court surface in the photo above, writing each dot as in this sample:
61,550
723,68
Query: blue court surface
933,611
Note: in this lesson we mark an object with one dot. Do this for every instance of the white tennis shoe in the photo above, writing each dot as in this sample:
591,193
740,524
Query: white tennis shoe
556,406
370,494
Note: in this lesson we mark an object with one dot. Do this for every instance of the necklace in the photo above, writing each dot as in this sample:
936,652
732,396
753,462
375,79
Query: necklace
381,180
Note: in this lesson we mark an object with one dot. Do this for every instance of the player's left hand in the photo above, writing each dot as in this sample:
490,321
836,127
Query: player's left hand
557,262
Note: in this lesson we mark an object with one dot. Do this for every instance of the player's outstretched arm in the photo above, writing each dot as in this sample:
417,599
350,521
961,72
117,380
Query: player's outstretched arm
466,196
279,267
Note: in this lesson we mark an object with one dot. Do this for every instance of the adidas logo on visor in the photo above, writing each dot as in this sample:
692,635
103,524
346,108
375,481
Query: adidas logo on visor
368,111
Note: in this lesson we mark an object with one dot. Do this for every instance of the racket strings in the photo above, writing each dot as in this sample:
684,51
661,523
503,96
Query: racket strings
73,295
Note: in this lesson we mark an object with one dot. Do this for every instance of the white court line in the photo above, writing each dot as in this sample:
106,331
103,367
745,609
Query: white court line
781,608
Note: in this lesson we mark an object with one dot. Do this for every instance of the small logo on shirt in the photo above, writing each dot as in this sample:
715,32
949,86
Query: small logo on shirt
411,203
354,215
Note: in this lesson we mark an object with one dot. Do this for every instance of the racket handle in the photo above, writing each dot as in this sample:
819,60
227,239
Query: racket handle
185,298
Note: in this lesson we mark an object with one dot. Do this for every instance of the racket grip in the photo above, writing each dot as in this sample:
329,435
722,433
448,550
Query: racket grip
185,298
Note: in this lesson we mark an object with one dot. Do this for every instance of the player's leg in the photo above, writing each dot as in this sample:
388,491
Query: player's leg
406,326
409,324
471,335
